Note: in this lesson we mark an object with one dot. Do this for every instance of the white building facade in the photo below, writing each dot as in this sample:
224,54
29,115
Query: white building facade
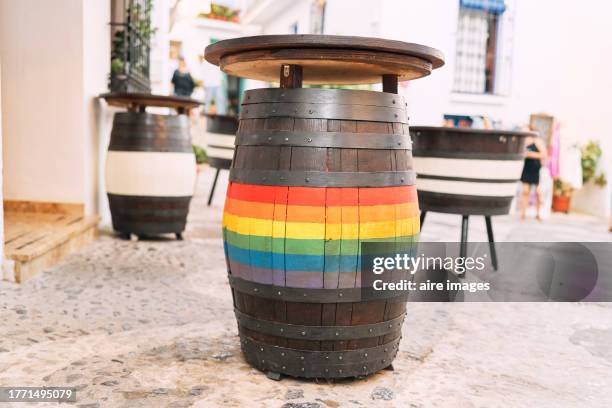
550,57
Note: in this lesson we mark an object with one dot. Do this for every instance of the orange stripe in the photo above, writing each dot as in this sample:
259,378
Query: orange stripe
331,215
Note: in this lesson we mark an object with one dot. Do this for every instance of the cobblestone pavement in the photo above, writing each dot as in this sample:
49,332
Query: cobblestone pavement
150,324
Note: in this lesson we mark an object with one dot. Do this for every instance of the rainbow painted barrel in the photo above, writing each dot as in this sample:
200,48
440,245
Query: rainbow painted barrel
308,185
316,174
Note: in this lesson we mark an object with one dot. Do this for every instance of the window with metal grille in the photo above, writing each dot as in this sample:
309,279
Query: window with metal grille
476,56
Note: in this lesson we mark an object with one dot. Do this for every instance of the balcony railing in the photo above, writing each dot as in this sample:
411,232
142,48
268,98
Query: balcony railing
130,53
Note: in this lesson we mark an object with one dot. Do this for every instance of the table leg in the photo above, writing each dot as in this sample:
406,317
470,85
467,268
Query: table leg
212,189
422,219
491,241
464,235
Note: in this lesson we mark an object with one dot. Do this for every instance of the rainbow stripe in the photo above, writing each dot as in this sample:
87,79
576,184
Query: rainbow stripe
310,236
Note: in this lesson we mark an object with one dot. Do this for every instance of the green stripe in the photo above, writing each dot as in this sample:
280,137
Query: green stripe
303,246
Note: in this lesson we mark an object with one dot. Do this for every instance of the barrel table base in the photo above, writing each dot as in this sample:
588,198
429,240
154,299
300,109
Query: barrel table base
147,216
150,174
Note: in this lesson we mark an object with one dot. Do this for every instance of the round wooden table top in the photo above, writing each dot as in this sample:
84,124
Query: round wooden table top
133,100
325,59
426,130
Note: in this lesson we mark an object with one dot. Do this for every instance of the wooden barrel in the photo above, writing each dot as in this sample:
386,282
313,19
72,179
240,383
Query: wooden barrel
150,173
316,173
221,133
467,171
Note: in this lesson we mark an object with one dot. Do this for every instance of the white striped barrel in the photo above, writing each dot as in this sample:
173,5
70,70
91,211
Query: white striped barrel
150,173
467,171
220,138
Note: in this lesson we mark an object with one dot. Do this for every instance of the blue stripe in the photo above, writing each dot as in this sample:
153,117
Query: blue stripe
291,262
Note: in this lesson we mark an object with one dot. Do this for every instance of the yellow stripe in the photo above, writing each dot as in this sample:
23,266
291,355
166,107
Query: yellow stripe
303,230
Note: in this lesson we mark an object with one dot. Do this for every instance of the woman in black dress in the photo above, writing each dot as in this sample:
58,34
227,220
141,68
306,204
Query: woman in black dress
182,80
534,156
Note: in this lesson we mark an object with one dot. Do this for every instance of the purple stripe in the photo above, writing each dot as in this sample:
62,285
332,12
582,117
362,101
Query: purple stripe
296,279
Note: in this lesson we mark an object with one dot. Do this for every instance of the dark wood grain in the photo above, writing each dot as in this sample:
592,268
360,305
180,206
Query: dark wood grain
215,51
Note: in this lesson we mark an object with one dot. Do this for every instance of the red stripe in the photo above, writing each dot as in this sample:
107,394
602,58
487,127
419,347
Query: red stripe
322,196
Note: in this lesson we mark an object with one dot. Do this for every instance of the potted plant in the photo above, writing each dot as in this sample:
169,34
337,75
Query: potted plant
591,155
200,156
562,195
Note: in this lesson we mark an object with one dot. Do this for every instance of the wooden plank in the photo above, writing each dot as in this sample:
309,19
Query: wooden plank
290,76
389,83
43,207
43,240
25,270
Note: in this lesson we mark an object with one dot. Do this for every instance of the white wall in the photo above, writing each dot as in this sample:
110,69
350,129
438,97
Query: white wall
1,178
559,54
42,100
96,69
294,11
53,67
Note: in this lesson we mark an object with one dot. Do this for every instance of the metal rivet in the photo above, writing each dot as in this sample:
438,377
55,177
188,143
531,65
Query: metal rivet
399,143
365,354
282,330
340,370
286,139
364,368
395,115
302,368
384,360
385,350
307,179
255,290
305,295
340,294
310,111
337,334
273,110
393,101
402,179
283,354
339,357
269,139
301,357
303,334
309,140
284,367
327,357
279,293
327,370
371,330
390,326
261,349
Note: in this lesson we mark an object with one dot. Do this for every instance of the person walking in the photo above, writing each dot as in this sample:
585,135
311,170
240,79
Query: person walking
182,80
534,157
214,92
